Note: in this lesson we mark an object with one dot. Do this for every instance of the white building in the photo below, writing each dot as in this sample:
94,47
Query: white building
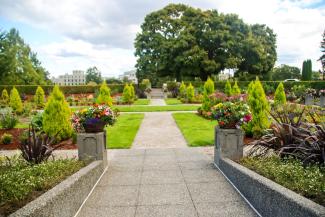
130,75
226,74
77,77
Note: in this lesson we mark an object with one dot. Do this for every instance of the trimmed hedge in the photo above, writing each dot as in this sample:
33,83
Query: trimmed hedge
79,89
220,85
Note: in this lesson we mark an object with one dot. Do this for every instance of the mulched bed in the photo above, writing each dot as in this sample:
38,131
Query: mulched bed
64,145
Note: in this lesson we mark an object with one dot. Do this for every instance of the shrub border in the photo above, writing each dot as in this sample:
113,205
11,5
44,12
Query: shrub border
267,197
64,199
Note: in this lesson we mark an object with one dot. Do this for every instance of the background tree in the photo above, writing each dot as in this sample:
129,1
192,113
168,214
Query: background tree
18,64
15,101
322,58
283,72
180,41
104,96
56,116
307,71
93,74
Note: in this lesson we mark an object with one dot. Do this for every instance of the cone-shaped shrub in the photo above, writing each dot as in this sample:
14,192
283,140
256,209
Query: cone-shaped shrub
104,96
228,88
182,90
209,86
190,93
5,97
127,95
280,95
56,115
39,97
235,89
15,101
132,92
259,107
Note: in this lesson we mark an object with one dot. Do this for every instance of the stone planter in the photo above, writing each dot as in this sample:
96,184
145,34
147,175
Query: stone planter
165,95
228,143
148,95
309,99
322,101
92,146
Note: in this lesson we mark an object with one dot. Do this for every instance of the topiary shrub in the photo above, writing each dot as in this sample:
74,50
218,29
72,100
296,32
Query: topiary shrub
104,96
259,107
15,101
190,93
280,96
6,139
209,86
235,89
39,97
5,97
56,116
182,90
127,95
132,92
208,89
228,89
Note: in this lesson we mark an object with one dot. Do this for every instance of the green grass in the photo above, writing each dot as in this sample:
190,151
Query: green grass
142,102
122,134
173,101
308,181
196,130
157,108
22,182
20,125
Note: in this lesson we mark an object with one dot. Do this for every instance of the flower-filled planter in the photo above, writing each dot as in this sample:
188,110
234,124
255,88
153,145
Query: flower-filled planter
322,98
93,119
228,134
309,97
89,123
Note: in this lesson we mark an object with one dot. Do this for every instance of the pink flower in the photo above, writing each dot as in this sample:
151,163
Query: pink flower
247,118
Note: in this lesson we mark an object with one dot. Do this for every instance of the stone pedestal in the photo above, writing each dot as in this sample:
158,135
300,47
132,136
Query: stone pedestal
309,100
322,101
228,143
148,95
92,146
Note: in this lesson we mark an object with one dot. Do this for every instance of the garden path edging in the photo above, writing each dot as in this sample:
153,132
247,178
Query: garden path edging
64,199
267,197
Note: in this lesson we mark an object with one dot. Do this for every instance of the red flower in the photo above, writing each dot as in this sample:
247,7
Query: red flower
221,123
247,118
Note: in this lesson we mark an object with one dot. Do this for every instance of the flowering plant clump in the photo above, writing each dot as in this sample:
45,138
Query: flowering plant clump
231,115
93,115
322,93
310,91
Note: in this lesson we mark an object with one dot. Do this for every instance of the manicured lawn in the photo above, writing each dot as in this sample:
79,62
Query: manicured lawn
173,101
196,130
20,125
157,108
142,102
122,134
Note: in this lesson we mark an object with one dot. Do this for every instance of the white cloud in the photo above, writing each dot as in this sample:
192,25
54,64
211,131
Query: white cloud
101,32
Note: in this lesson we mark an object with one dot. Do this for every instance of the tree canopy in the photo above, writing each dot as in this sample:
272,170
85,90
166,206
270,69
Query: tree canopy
180,41
93,74
18,64
283,72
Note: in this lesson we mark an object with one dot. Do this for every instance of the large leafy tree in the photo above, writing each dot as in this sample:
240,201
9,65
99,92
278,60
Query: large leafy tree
93,74
283,72
322,58
18,64
179,42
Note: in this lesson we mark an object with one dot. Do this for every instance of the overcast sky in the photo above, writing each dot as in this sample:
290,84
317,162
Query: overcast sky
77,34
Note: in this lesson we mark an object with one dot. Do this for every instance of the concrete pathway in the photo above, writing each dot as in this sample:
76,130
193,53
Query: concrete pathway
158,130
163,183
157,102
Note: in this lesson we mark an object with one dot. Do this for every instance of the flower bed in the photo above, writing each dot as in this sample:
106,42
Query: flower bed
308,181
22,182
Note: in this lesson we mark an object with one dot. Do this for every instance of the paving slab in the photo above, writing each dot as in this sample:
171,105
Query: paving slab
159,130
159,183
157,102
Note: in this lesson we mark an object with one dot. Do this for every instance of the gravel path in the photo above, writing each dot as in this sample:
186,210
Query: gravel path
158,102
158,130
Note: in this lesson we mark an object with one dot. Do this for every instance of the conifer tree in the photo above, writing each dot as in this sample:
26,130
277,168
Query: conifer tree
182,90
209,86
280,96
15,101
228,89
104,96
259,107
190,93
39,97
127,95
132,92
235,89
307,71
5,97
56,116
